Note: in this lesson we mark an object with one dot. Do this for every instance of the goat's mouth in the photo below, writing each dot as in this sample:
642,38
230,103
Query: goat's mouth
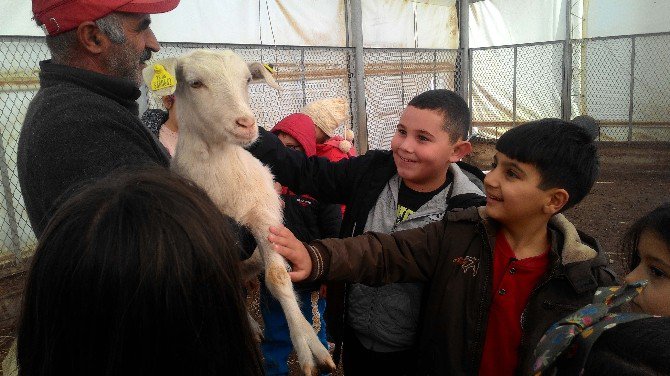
246,135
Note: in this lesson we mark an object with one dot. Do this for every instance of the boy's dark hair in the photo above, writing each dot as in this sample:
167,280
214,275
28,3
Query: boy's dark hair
452,107
657,221
564,154
136,274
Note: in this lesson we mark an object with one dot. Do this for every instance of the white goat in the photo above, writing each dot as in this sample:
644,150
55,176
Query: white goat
215,124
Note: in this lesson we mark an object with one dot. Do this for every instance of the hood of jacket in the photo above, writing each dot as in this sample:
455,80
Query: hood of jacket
300,127
575,246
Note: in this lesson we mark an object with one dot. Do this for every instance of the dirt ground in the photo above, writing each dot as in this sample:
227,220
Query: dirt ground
634,179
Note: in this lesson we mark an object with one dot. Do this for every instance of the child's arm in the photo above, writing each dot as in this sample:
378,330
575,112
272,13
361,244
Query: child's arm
318,177
372,258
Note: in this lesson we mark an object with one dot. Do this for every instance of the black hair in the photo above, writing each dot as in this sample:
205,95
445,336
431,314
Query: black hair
451,106
138,274
657,221
564,154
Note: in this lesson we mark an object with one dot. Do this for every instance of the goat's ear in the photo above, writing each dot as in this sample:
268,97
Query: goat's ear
259,72
160,77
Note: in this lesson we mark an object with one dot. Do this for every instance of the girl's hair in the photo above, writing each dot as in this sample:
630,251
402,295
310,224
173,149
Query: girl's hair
657,221
138,274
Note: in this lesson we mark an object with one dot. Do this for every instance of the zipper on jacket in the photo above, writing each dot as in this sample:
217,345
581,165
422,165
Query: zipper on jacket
478,346
567,307
525,309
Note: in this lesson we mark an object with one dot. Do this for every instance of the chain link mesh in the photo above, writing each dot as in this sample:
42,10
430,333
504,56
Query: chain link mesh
601,84
393,78
508,85
19,57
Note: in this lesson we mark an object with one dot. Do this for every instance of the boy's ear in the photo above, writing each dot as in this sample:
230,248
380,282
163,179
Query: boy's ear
461,149
558,197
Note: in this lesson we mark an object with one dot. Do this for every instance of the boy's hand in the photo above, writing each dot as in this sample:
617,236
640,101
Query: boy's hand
285,243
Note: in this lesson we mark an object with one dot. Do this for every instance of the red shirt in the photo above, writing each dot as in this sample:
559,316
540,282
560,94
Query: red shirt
513,282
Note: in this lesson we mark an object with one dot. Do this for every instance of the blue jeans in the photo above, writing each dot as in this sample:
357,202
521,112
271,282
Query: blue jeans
276,345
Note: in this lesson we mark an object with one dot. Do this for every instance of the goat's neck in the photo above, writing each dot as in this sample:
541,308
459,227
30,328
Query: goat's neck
194,148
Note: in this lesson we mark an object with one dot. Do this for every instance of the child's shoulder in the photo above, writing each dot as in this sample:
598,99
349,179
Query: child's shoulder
469,214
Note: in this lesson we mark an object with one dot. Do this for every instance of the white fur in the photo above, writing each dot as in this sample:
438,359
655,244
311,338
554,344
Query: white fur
215,123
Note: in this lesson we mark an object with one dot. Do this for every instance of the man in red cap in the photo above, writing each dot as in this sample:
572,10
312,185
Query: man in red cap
84,122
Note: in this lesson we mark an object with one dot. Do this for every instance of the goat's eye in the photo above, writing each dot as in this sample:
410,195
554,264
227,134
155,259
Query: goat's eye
195,84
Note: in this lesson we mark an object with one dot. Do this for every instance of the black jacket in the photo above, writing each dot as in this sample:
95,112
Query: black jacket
80,126
355,182
309,219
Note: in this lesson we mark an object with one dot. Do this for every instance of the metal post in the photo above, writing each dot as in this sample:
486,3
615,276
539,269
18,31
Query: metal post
632,90
566,95
11,213
304,77
355,31
514,86
464,48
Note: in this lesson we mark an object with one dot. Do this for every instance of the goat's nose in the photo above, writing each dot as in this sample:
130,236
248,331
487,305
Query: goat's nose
245,121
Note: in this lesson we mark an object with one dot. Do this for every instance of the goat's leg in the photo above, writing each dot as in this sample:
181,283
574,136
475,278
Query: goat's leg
305,341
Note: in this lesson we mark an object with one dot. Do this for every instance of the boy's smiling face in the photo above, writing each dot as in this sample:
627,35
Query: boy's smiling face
423,150
654,266
513,194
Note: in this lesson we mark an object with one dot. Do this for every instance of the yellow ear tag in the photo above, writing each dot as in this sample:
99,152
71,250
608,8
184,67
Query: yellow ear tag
270,68
162,79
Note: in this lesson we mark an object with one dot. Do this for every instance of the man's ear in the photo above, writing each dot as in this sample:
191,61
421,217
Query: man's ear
92,38
461,149
558,197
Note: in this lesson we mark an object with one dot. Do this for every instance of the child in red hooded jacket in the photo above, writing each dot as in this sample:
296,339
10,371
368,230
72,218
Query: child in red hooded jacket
309,220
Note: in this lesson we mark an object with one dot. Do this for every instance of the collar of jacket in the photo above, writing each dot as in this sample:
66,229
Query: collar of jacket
571,255
123,91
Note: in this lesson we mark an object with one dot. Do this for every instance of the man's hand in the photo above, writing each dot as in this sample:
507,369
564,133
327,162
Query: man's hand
285,243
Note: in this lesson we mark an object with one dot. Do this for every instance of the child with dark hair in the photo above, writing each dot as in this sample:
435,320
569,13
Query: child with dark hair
648,245
608,342
497,276
408,186
309,220
136,275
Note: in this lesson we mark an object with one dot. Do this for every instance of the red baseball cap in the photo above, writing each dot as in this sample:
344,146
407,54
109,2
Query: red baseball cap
59,16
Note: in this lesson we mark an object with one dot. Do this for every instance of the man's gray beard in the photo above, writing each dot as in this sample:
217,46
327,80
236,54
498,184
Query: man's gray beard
125,64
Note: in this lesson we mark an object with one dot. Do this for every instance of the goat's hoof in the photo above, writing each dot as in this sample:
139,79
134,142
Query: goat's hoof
330,365
309,370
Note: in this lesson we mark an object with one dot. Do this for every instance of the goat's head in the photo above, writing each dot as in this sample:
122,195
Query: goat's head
213,95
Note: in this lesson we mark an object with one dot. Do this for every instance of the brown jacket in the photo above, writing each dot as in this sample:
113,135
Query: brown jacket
454,258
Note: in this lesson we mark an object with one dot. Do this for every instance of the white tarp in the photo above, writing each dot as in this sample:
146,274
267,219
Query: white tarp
287,22
386,23
504,22
625,17
410,24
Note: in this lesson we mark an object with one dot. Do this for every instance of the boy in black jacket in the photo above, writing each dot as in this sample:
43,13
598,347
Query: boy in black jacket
409,186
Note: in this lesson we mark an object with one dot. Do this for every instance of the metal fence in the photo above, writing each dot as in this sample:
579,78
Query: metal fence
624,82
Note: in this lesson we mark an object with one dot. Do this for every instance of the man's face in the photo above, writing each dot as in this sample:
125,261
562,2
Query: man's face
422,149
127,59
